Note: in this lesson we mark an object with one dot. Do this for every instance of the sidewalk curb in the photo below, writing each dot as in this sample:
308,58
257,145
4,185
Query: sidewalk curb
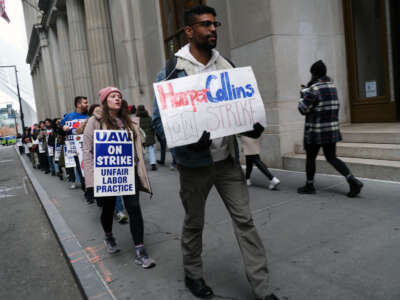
87,276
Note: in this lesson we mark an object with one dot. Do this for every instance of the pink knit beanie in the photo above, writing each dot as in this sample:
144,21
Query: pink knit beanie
103,93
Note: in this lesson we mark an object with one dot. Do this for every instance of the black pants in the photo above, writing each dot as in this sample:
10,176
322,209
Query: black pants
78,168
132,206
255,160
44,162
330,155
163,147
71,174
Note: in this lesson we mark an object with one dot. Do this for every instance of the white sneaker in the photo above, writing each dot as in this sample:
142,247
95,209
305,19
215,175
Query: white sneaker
248,182
72,186
122,218
274,184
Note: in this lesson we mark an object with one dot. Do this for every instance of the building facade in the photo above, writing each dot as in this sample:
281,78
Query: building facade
77,47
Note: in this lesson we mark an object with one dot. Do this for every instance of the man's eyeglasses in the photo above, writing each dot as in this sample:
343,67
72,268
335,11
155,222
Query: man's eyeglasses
207,24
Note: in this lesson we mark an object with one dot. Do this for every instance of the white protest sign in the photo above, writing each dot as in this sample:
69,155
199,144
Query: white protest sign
114,168
50,150
26,149
78,141
222,102
41,148
69,154
57,153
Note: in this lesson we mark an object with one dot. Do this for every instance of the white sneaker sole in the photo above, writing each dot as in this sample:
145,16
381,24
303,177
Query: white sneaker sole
274,187
139,263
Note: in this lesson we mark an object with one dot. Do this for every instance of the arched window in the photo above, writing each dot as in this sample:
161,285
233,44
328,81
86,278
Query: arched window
172,12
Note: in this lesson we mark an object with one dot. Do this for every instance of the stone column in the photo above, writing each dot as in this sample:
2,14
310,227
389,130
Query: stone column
56,59
49,76
79,50
66,63
42,104
36,89
100,42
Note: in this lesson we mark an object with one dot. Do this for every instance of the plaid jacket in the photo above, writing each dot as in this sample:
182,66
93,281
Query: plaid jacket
320,104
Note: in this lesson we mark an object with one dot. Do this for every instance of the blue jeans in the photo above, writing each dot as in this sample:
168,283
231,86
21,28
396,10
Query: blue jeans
77,175
51,164
118,205
152,154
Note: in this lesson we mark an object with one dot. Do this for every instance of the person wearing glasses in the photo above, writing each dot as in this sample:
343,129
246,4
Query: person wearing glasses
209,163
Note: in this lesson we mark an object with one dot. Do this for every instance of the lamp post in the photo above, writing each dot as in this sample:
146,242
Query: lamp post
19,95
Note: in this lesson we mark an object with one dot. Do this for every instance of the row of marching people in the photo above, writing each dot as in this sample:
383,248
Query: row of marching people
56,147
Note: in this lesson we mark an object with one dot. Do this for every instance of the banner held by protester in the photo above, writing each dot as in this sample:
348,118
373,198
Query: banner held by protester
78,141
57,152
69,153
114,168
222,102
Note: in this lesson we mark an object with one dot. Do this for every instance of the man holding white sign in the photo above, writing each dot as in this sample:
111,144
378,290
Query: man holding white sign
199,116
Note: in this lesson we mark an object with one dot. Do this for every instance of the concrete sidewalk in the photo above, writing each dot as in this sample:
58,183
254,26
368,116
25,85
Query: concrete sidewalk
323,246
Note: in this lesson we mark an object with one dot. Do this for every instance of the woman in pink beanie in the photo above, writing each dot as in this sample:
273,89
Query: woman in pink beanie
114,116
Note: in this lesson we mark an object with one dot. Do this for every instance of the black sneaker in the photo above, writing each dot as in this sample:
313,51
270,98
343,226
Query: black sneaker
355,186
307,189
269,297
160,162
153,167
199,288
111,245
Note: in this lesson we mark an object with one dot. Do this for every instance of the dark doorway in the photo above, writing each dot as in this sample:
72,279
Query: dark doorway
370,60
395,17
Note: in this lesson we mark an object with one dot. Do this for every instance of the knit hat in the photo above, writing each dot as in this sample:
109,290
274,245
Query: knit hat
318,69
103,93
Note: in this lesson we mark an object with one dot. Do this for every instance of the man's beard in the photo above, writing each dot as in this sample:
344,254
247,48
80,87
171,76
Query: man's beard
206,44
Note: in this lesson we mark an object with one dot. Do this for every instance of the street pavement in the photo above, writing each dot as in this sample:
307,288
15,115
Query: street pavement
320,247
32,264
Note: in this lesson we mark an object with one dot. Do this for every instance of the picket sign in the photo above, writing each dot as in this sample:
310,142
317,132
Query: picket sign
41,148
50,151
223,102
69,154
78,141
114,164
57,153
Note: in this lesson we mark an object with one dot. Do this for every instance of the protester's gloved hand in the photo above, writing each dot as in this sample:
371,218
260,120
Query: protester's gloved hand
203,143
256,132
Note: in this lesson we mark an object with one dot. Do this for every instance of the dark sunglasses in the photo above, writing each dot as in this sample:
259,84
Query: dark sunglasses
207,24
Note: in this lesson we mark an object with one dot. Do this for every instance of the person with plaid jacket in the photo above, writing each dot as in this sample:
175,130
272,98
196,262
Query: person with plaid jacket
320,104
